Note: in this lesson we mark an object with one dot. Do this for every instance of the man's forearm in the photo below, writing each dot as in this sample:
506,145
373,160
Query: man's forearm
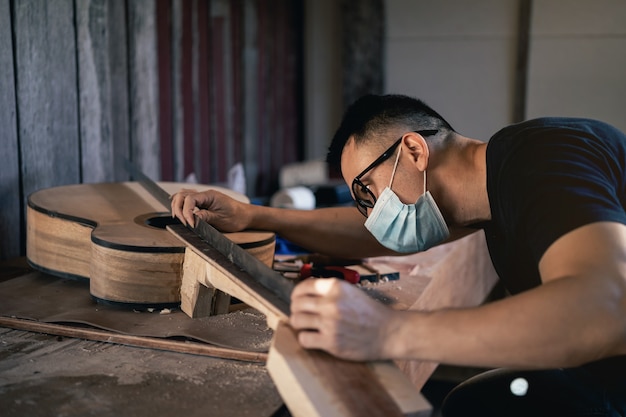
562,323
336,231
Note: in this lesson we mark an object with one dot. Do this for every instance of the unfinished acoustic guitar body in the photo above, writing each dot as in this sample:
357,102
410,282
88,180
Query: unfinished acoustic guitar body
114,235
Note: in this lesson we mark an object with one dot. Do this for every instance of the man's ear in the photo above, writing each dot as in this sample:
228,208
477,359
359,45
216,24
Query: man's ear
417,149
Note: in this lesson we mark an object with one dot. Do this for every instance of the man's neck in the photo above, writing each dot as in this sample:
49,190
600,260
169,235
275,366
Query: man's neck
458,182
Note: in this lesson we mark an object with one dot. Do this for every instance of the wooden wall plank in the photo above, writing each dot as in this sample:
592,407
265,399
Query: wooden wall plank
250,103
143,83
178,86
10,212
204,105
178,149
45,56
219,94
236,27
103,86
164,50
186,85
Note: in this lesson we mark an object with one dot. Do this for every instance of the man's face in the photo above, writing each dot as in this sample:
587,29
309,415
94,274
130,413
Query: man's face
369,185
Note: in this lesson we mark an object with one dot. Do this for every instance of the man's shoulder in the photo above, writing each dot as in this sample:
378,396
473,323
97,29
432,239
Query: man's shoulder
551,126
533,136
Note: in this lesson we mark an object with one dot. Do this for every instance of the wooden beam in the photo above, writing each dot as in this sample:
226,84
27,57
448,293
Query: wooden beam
198,298
315,383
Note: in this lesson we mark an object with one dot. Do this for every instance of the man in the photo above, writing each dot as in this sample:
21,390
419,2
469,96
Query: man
550,195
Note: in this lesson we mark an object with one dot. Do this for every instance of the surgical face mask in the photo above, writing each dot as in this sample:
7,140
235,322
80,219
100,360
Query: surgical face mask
406,228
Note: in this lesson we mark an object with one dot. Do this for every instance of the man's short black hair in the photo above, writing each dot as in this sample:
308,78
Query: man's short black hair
373,115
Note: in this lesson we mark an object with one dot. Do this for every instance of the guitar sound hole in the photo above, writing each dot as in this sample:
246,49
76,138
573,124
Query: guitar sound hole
160,222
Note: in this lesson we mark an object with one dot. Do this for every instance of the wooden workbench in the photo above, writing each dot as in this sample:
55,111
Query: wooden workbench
43,375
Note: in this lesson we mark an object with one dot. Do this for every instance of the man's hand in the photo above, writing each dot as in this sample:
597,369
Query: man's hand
221,211
339,318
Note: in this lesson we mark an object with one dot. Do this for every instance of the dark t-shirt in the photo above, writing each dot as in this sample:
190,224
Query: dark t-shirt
545,178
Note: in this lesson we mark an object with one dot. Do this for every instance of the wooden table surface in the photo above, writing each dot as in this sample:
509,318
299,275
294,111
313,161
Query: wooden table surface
42,375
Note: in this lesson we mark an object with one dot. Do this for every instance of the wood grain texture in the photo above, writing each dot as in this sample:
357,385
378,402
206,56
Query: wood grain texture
56,244
143,83
135,277
10,212
314,383
222,274
45,59
199,297
111,234
196,298
103,87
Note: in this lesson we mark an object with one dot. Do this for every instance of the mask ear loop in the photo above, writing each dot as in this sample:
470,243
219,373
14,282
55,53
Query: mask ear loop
424,193
395,165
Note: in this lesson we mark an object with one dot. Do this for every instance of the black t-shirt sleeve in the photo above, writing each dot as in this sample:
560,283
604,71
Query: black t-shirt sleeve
544,182
567,185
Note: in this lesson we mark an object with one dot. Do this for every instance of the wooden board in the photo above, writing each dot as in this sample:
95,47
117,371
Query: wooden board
103,85
314,383
114,235
45,63
143,94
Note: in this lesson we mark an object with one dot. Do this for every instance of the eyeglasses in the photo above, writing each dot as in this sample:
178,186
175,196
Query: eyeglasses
363,197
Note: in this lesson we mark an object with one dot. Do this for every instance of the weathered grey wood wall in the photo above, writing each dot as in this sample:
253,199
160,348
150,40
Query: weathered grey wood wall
9,167
177,86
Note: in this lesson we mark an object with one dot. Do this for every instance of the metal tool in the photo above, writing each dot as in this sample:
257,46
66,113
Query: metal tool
325,271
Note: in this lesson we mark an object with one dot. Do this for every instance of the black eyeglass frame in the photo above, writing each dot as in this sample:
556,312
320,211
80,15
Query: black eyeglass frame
363,204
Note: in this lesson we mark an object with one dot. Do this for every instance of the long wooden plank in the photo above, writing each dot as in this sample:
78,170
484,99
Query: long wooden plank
129,340
314,383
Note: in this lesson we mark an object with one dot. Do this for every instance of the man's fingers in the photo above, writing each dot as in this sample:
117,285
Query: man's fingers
320,287
179,204
305,321
190,207
311,340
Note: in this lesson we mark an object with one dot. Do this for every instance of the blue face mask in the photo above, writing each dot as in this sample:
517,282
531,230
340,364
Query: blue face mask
406,228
